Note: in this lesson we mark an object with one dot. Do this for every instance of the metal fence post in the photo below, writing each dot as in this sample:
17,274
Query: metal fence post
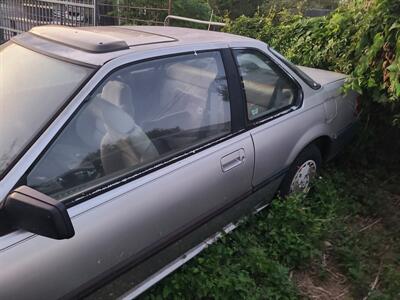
119,13
170,7
169,10
94,12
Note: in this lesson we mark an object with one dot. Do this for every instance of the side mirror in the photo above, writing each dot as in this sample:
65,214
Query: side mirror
35,212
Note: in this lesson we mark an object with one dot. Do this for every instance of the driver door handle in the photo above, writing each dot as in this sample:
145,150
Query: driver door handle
232,160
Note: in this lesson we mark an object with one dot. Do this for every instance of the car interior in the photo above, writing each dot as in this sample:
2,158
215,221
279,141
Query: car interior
137,116
266,91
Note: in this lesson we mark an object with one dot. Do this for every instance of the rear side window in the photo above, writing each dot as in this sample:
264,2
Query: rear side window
267,89
307,79
138,116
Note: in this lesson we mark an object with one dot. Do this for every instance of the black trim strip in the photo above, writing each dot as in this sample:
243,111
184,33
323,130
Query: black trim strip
160,245
134,174
138,173
307,79
276,114
235,92
270,179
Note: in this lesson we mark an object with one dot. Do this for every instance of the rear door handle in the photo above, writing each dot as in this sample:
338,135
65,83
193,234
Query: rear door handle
232,160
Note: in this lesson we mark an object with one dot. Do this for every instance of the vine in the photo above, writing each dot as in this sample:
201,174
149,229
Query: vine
360,38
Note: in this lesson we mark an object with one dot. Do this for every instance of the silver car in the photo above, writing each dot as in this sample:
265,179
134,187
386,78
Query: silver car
123,149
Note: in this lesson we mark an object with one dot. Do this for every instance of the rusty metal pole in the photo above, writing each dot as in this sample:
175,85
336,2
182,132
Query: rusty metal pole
169,9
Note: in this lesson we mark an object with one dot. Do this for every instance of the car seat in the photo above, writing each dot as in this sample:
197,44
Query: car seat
125,144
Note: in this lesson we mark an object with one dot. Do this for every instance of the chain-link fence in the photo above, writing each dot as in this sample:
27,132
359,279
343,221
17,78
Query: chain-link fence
17,16
139,12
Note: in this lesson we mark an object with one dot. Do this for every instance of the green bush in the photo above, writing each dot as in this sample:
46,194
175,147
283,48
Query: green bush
311,235
147,12
255,261
360,38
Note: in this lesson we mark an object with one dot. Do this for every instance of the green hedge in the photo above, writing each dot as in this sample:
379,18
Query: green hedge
360,38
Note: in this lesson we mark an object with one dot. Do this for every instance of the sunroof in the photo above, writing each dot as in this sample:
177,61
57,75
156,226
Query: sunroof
133,36
86,40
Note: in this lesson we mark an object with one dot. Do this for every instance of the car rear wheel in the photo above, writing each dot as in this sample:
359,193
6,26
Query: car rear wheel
302,172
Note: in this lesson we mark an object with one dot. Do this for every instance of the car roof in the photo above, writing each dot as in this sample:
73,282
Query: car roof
96,45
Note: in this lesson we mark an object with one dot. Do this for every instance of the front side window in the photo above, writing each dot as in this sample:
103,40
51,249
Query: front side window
267,89
32,88
138,116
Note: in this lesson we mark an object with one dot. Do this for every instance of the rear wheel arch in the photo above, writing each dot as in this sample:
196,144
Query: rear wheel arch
320,146
324,145
318,135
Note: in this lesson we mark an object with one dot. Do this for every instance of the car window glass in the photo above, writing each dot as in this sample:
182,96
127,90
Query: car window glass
267,90
33,87
307,79
138,116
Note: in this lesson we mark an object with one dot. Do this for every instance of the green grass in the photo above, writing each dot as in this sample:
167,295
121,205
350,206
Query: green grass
351,216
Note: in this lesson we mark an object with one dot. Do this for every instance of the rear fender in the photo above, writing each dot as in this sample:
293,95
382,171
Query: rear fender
311,135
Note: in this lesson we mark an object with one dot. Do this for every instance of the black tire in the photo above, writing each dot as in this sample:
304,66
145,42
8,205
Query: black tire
311,152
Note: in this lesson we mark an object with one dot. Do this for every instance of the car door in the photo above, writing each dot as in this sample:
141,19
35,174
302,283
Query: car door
150,155
274,113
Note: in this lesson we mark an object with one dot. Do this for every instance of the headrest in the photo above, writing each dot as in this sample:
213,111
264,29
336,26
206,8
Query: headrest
89,124
115,119
119,94
201,77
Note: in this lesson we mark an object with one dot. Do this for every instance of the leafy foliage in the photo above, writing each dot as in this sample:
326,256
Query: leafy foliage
360,38
254,262
197,9
300,5
235,8
154,11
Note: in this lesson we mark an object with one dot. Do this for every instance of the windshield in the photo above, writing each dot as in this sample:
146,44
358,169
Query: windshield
32,88
307,79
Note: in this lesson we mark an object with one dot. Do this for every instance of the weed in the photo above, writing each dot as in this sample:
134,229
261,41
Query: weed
256,261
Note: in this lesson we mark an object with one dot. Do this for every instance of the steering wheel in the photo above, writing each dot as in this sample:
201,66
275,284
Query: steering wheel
77,176
57,170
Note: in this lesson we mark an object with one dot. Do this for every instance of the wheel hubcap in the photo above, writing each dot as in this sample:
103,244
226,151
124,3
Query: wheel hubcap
301,180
